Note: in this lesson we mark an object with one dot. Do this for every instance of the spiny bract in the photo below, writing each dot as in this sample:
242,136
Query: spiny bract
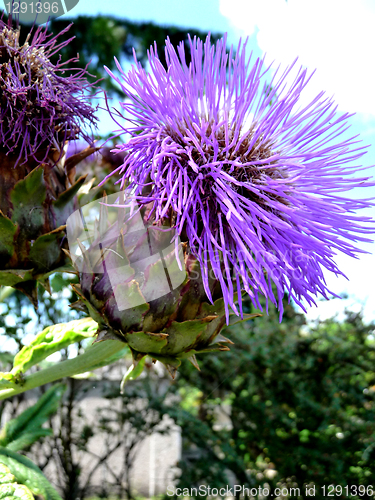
133,285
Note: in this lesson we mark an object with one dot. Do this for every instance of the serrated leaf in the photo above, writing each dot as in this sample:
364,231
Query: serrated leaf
27,198
7,232
29,422
46,250
28,474
53,339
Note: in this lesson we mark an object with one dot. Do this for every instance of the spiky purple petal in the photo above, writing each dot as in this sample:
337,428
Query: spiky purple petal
39,107
251,177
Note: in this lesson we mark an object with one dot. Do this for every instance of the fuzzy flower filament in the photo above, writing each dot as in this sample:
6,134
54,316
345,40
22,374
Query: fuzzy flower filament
39,108
249,176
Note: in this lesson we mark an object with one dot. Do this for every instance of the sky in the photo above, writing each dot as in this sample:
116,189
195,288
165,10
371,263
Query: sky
334,37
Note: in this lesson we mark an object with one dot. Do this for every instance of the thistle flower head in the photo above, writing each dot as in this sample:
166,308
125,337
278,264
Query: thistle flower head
249,176
39,108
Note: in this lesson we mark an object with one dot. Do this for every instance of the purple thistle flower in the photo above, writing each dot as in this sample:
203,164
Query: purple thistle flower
251,178
39,108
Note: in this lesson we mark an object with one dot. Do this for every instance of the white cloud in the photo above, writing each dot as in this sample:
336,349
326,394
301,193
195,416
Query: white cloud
336,37
359,288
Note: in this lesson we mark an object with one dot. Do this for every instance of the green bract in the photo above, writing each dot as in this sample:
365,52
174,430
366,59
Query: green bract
35,201
141,287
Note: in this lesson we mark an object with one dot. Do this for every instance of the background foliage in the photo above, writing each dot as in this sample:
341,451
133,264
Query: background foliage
287,405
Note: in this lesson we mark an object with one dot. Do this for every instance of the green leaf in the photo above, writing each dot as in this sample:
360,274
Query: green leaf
53,339
62,206
29,422
27,439
5,475
7,380
92,357
135,370
46,251
65,268
11,277
28,474
14,491
7,232
27,198
91,310
9,489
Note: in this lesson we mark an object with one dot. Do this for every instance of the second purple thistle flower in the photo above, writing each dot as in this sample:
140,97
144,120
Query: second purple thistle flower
250,177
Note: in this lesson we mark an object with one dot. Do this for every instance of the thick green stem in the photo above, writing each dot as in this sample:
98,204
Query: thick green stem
87,361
